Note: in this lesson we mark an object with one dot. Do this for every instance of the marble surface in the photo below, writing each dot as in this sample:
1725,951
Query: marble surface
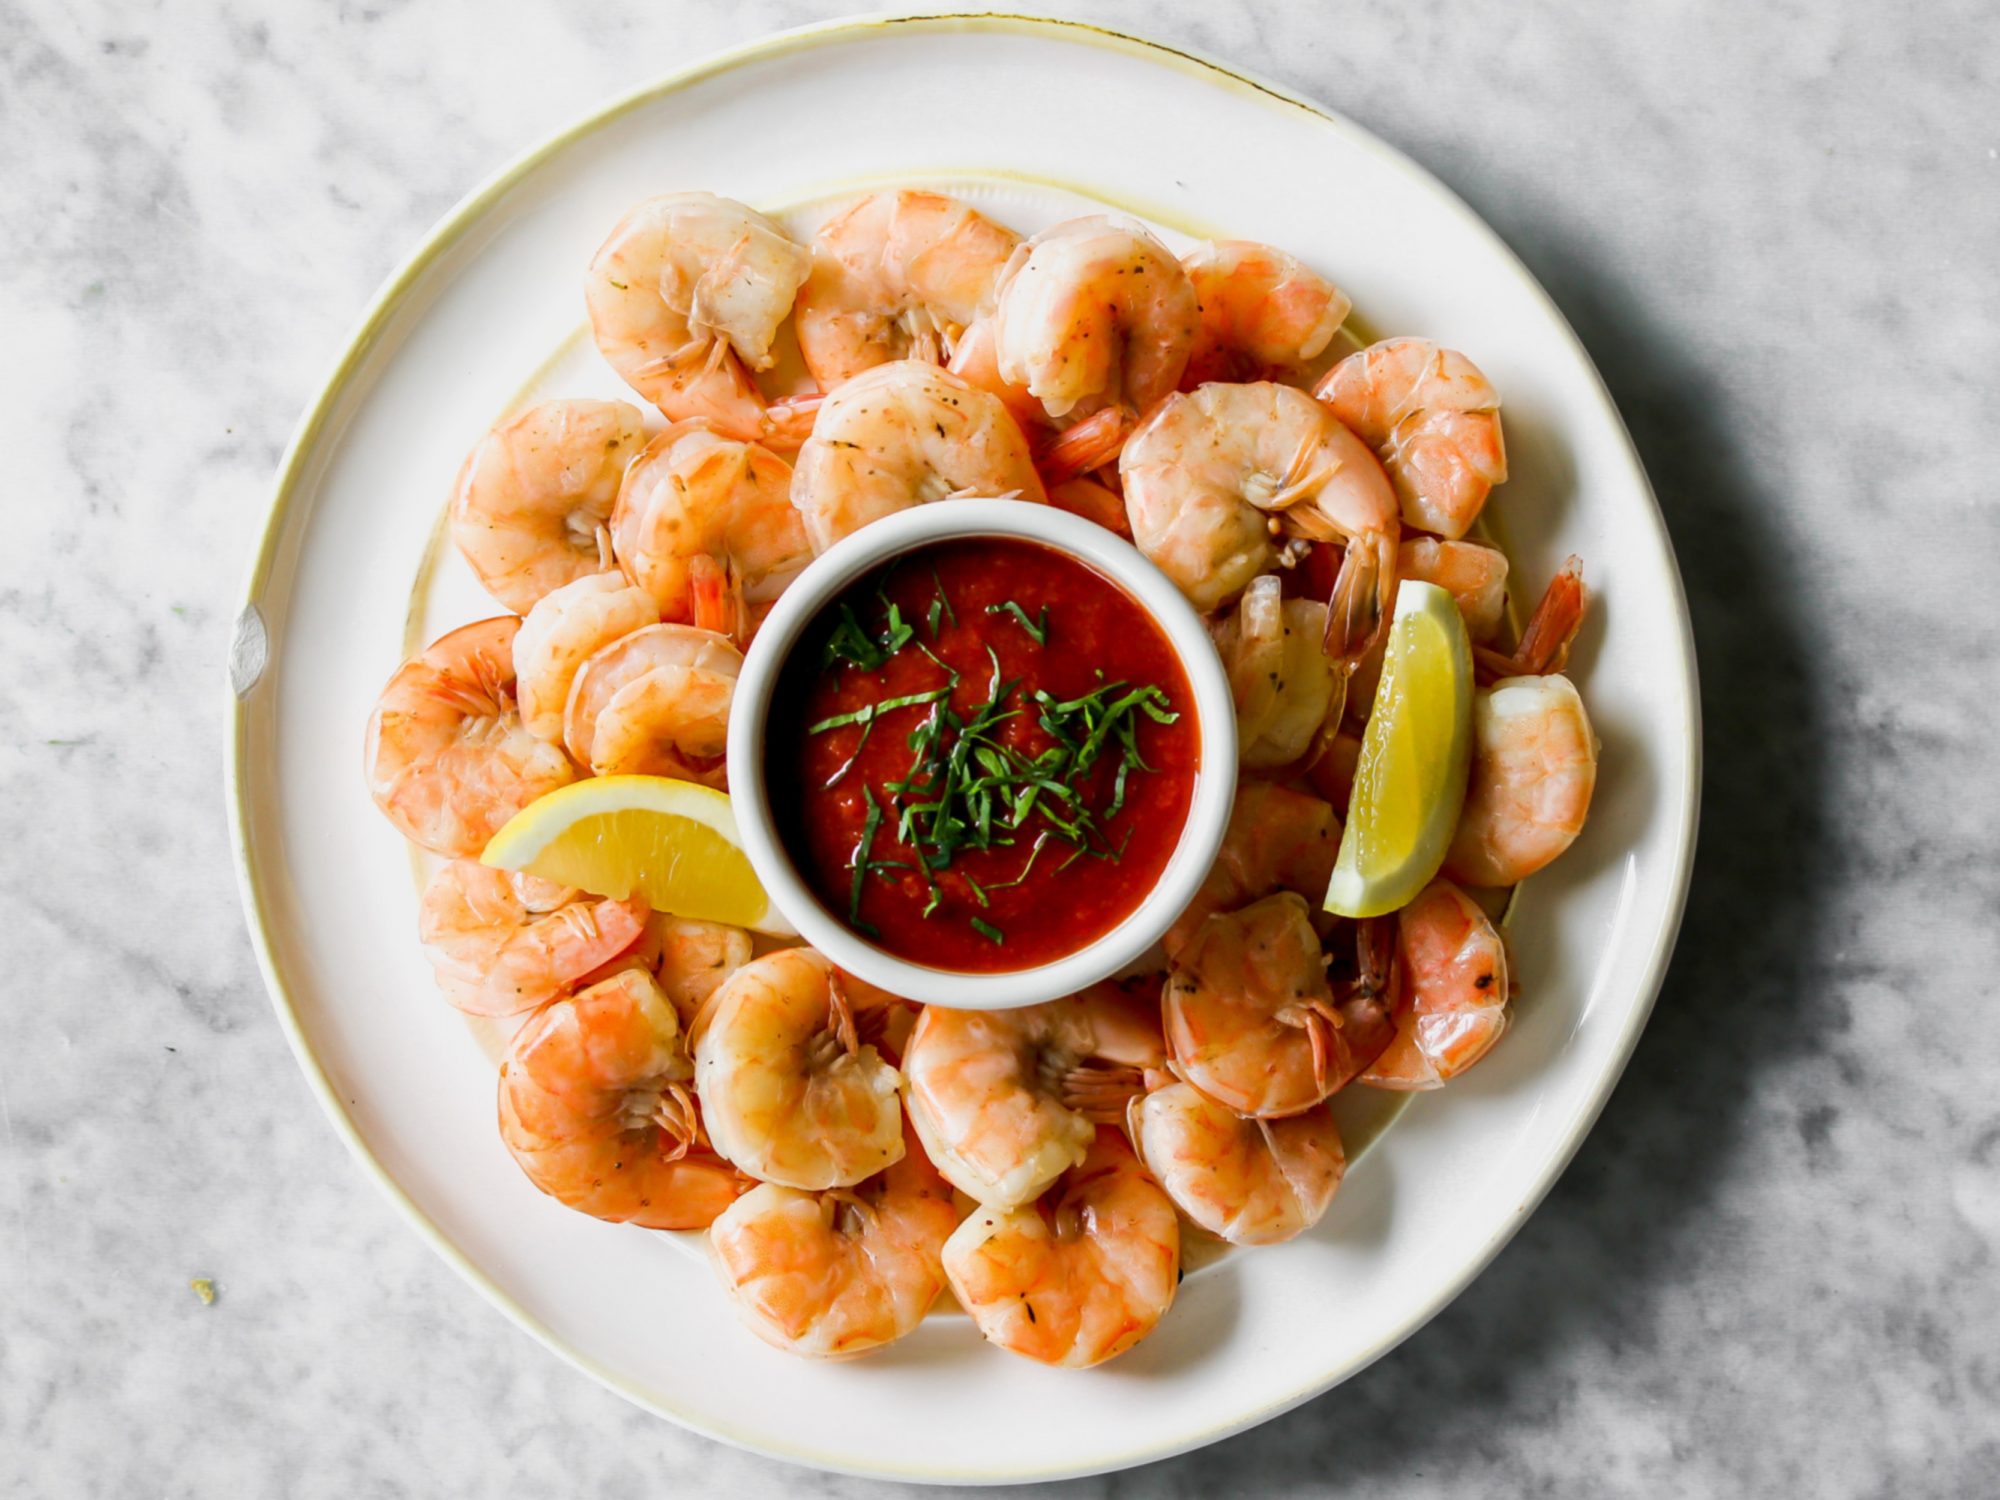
1772,1270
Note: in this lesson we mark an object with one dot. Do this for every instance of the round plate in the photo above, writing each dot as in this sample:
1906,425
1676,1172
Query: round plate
489,305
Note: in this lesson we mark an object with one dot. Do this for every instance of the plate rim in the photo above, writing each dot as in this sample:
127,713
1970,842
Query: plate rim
252,879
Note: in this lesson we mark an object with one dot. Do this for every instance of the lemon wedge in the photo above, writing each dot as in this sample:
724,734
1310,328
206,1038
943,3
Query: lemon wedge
1410,783
673,841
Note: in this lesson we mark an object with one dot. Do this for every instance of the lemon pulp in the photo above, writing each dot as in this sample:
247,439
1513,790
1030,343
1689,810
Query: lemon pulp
1409,785
673,841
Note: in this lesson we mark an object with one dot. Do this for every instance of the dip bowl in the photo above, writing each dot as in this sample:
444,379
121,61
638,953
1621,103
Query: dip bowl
791,619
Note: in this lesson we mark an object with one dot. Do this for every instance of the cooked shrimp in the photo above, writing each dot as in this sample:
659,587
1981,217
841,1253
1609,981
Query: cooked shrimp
503,943
1263,313
899,435
791,1093
448,758
686,298
897,276
1534,765
564,629
1277,840
1212,478
705,524
1092,313
1080,1275
1435,421
1451,1005
1252,1020
1004,1101
837,1273
1248,1181
1474,574
594,1104
1279,674
655,702
1551,630
695,958
533,498
1094,502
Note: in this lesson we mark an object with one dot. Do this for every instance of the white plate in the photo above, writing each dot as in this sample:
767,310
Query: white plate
1030,114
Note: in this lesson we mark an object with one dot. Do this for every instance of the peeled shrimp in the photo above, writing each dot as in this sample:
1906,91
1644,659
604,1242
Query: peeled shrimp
1277,839
448,759
695,958
534,496
1252,1020
1279,674
686,298
837,1273
899,435
1248,1181
1263,313
1095,312
1080,1275
1435,421
655,702
791,1093
1004,1101
1452,1002
1213,477
564,629
1534,766
705,525
594,1104
1474,574
897,276
502,943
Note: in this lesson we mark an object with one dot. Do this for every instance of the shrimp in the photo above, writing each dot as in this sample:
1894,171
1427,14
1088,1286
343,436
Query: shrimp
1452,1002
897,276
686,298
1475,575
705,525
792,1095
695,959
1093,313
533,497
595,1107
1551,630
1534,765
655,702
1435,421
835,1274
1253,1022
564,629
1277,840
1284,686
448,759
1080,1275
1094,502
899,435
1213,477
503,943
1263,313
1005,1101
1248,1181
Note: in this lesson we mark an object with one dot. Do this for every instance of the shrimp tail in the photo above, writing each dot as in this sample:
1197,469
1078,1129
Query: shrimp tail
718,597
788,422
1089,444
1551,629
1362,600
1101,1092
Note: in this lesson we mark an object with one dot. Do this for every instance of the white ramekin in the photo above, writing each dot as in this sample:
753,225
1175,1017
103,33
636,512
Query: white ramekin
1208,812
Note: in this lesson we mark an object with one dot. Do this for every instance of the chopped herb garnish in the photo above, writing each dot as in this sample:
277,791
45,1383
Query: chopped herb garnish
988,931
1038,630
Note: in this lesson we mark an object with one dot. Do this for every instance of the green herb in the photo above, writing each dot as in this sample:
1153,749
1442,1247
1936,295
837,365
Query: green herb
869,827
988,931
1038,630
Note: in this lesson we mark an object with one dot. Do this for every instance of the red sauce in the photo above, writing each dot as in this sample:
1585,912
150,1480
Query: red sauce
1036,906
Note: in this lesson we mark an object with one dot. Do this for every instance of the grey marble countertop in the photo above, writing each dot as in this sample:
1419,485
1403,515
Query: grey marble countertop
1771,1271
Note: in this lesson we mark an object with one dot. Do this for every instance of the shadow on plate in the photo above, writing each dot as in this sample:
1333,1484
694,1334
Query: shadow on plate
1634,1210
